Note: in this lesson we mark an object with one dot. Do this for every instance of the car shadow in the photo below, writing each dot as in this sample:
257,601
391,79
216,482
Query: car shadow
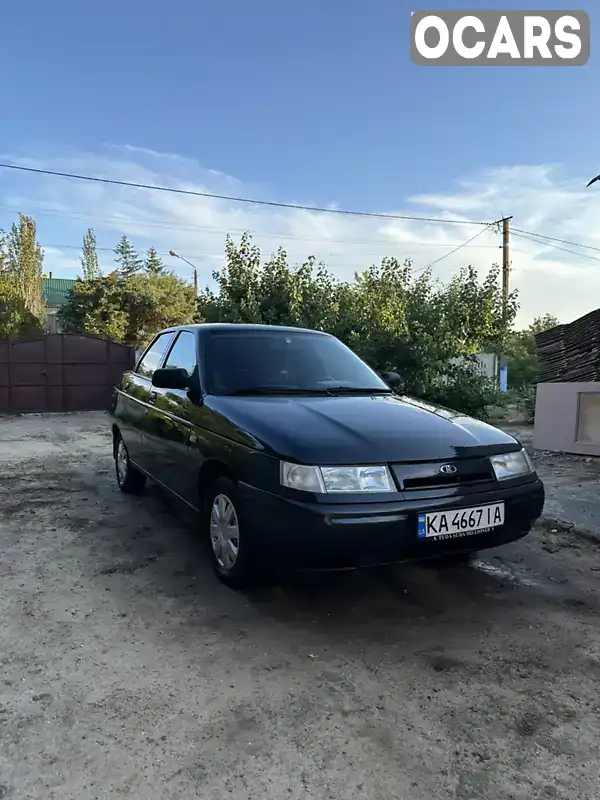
342,597
408,590
165,571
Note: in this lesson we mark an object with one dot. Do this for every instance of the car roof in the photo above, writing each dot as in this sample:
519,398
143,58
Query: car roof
241,326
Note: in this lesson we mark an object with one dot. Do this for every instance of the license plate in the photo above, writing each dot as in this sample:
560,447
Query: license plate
460,522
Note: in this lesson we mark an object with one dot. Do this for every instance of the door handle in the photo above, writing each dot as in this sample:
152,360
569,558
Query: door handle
152,397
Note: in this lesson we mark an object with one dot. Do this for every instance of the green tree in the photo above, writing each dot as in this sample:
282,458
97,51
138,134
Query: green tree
95,307
127,258
521,352
542,324
391,318
128,308
154,302
273,293
418,327
22,264
89,258
16,322
154,264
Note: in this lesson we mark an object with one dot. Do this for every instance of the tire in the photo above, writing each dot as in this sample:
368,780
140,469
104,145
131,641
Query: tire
129,479
232,551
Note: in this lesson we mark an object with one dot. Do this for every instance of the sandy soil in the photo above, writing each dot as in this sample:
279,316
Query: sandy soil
126,670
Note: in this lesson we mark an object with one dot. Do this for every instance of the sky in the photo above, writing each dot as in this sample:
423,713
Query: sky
313,103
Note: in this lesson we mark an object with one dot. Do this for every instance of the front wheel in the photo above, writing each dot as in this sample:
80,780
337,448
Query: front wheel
232,551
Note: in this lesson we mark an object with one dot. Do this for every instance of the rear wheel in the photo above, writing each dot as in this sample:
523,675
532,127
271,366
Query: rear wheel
232,550
130,479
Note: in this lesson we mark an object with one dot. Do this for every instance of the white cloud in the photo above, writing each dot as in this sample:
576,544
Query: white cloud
538,196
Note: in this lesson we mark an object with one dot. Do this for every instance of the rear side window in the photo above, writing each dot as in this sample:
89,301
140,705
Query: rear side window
183,353
151,358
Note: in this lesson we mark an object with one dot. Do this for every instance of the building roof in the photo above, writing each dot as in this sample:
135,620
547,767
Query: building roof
55,291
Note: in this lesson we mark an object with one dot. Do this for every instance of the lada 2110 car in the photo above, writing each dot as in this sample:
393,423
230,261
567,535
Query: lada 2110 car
296,454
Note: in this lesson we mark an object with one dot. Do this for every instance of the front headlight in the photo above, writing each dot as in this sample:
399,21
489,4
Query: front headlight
336,480
511,465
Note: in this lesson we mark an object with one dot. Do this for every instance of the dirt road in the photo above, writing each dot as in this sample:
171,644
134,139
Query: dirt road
126,670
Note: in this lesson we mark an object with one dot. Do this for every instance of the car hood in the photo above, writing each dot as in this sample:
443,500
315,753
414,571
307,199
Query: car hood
359,429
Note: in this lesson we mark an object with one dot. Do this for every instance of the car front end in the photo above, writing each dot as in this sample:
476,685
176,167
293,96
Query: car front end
345,516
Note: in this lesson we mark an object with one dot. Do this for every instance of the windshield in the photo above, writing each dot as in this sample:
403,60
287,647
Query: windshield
249,359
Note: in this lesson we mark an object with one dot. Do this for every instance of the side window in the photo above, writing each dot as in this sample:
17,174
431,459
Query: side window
152,356
183,353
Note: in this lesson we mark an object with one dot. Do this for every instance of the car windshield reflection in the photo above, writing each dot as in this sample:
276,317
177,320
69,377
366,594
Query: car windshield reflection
297,362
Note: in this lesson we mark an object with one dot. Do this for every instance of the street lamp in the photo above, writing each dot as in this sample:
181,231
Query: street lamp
189,263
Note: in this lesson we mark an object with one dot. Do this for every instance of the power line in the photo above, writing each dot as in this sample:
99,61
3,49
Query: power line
152,224
532,238
112,250
456,249
351,254
271,203
215,256
554,239
48,246
158,225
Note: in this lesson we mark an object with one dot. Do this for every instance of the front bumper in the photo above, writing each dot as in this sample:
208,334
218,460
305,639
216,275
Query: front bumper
334,536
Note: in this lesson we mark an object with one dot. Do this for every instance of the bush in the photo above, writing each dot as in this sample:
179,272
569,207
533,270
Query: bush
128,309
462,389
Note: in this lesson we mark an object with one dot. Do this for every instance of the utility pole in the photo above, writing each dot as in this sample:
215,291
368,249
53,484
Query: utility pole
505,293
505,263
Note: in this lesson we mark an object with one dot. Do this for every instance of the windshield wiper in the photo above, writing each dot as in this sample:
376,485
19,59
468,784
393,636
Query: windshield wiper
356,390
273,390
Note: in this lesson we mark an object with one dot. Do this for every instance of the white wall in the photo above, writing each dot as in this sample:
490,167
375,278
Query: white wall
51,321
567,418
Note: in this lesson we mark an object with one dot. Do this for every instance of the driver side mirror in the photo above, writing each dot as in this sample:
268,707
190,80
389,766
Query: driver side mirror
392,379
170,379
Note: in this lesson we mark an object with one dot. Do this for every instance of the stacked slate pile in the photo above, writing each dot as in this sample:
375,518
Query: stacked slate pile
570,353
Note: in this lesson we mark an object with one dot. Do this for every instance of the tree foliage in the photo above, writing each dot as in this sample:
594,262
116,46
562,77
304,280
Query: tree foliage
126,257
128,308
16,321
89,257
23,259
522,362
392,318
21,305
153,263
542,324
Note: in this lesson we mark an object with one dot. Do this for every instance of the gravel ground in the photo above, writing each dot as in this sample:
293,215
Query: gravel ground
126,670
